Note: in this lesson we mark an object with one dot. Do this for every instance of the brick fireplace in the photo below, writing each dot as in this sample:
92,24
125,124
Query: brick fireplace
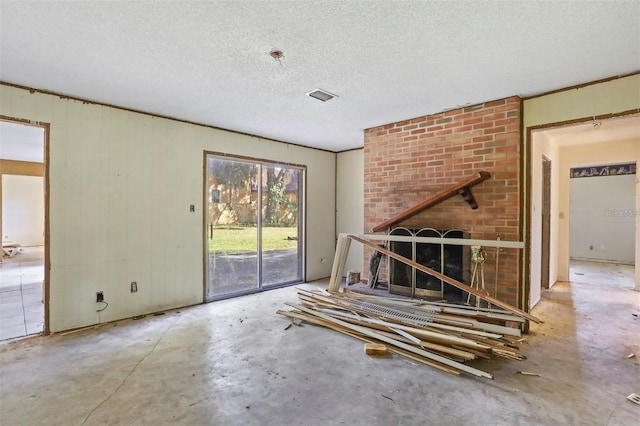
412,160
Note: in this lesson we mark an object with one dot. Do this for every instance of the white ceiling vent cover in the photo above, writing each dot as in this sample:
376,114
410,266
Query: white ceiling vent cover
321,95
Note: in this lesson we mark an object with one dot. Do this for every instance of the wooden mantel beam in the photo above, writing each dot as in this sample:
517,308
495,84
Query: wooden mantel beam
461,188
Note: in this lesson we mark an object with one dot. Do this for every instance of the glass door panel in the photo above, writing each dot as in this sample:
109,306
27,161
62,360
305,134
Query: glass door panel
232,227
254,226
281,225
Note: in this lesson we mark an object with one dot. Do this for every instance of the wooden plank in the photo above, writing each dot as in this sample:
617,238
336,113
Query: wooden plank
375,349
526,373
465,353
406,335
436,199
448,280
433,326
450,351
447,241
424,361
417,332
477,354
480,315
339,261
370,333
315,320
439,321
468,324
444,308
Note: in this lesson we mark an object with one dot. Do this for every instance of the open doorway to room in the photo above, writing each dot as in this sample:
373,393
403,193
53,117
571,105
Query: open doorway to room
23,224
608,149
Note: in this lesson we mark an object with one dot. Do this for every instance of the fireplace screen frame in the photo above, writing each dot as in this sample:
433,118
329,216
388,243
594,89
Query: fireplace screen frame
404,281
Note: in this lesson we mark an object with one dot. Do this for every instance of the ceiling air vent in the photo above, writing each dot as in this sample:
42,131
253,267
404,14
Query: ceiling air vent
321,95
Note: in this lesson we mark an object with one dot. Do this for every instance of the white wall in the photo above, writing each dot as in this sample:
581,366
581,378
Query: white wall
23,210
592,154
120,188
350,202
602,213
610,97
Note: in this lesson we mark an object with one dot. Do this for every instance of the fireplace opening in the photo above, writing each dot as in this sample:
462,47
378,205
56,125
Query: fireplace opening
450,260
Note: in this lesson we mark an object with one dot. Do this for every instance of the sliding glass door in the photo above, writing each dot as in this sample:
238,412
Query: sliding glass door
253,225
232,227
280,230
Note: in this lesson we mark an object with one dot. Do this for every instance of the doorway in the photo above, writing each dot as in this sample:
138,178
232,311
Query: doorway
23,207
546,222
568,145
253,225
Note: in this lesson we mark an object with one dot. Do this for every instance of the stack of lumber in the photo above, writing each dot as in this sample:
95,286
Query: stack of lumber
441,335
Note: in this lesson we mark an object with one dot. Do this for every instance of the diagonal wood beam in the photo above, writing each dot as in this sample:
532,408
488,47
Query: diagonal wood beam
448,280
461,188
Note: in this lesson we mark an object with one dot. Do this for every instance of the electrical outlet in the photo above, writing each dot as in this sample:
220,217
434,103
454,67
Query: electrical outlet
99,297
134,287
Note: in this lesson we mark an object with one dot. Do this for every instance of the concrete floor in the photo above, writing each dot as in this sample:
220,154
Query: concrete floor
232,363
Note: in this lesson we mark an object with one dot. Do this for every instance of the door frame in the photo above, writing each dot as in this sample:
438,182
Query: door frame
546,223
526,165
47,227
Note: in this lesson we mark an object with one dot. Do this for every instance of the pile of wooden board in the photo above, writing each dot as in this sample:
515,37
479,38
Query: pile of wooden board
441,335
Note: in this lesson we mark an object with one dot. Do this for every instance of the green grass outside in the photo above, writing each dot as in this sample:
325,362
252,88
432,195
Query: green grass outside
243,239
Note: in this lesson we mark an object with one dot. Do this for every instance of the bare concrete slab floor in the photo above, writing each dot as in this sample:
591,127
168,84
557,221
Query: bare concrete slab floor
233,363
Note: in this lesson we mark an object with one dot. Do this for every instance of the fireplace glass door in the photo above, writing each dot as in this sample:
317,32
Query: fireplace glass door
450,260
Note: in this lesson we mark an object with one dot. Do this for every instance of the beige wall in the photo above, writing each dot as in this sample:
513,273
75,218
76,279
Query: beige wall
22,210
20,168
610,97
350,202
120,188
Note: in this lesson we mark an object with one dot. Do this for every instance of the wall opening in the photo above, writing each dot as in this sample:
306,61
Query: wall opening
23,206
610,142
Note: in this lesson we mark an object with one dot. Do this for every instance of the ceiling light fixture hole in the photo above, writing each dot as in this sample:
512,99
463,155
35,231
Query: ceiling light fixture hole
276,54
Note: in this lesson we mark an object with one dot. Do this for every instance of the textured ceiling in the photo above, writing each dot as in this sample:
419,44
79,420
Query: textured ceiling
386,60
